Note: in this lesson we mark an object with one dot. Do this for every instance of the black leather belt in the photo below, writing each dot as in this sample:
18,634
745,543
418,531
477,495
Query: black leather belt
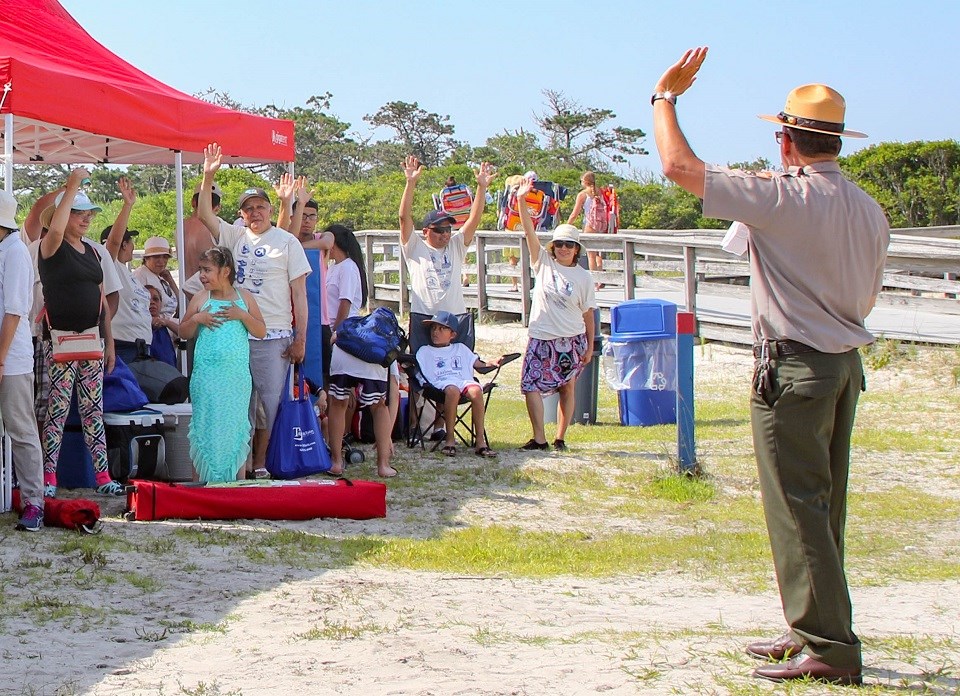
784,346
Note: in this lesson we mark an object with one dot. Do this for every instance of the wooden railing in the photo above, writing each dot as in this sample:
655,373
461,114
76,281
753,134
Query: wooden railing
687,264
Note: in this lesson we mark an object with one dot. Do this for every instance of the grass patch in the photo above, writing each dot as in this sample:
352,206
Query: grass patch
499,550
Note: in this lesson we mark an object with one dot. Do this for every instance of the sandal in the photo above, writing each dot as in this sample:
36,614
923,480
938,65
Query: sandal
485,452
449,451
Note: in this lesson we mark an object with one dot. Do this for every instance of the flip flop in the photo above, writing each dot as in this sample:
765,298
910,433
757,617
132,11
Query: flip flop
485,452
449,451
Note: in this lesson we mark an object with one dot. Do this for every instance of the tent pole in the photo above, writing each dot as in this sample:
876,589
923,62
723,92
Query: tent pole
8,153
178,173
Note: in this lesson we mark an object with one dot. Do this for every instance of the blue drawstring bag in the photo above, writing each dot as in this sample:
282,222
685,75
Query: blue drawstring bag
296,446
121,391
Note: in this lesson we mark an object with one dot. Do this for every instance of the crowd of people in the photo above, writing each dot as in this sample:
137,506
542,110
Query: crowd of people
817,251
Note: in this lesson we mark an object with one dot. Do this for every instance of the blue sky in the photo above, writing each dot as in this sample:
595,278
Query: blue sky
484,63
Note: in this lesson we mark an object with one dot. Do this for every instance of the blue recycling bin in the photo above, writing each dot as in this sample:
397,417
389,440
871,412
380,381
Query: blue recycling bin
643,348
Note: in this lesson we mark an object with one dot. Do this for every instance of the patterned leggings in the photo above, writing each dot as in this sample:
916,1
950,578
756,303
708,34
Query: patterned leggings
87,376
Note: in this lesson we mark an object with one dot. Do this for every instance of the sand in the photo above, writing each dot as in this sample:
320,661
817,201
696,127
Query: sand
184,608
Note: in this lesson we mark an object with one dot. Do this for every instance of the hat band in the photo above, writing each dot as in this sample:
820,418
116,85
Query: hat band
811,123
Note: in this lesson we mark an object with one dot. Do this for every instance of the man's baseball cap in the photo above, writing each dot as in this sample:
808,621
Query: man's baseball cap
252,193
444,318
436,216
127,236
216,189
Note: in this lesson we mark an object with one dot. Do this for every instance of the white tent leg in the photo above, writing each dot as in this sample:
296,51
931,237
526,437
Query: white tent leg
8,153
178,174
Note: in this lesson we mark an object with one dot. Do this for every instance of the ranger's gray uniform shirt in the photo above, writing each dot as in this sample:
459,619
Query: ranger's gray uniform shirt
818,245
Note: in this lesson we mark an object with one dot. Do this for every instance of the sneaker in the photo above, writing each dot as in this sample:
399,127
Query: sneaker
49,491
110,488
532,444
560,445
31,520
438,434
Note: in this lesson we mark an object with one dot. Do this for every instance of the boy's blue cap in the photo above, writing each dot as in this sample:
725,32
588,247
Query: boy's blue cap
448,319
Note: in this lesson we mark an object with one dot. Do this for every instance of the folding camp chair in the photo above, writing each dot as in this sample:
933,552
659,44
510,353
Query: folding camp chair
463,428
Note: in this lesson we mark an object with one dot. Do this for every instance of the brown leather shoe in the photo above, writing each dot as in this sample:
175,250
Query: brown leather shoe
775,649
803,666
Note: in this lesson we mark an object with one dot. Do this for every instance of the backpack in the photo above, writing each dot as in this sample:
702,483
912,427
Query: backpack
597,217
376,338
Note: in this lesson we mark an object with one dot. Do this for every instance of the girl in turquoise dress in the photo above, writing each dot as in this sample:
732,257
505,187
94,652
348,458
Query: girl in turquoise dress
221,318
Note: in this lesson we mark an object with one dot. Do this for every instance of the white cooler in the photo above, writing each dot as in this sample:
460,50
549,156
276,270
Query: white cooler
176,428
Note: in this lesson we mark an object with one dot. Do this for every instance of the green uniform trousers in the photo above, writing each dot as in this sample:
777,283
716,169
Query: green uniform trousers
801,433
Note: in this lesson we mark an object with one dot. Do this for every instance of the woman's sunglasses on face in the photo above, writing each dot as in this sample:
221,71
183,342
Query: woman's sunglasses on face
564,244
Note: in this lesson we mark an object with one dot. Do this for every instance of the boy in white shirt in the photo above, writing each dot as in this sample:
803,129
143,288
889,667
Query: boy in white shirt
449,367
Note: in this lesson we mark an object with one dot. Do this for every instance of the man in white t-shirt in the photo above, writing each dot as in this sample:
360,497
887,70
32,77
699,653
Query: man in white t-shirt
435,258
272,266
16,366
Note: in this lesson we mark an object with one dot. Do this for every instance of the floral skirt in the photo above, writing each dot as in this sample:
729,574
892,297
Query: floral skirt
549,364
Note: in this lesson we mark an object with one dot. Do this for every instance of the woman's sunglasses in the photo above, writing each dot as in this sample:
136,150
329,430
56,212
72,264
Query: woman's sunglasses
564,244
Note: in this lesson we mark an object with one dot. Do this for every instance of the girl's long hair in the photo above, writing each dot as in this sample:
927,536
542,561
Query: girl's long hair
590,184
346,241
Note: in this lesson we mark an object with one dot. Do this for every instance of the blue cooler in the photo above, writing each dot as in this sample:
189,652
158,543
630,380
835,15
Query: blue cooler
643,347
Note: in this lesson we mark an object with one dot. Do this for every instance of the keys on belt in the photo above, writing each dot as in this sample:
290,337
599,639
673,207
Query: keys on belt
781,347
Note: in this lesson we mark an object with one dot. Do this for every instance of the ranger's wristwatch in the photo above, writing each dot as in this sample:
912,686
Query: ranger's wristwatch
666,96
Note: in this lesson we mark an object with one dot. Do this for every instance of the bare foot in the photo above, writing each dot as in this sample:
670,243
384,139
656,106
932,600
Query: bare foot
336,469
386,471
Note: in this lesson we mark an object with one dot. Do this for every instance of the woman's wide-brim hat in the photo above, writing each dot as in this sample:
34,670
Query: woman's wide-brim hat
815,108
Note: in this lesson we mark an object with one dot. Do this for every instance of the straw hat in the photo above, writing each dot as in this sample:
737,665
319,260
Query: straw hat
156,246
815,108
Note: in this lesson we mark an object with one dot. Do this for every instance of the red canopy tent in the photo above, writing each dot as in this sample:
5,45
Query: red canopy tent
73,101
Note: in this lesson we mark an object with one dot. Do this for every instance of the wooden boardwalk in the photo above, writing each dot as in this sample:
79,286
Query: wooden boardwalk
918,303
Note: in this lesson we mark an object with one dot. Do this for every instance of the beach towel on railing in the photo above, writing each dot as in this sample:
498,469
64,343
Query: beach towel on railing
455,200
612,203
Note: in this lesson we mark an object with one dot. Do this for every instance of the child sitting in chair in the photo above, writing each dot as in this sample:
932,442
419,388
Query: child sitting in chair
449,367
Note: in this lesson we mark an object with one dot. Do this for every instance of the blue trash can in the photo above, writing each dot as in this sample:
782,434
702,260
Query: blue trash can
641,358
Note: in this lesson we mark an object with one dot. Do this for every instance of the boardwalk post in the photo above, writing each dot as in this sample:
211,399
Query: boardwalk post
481,277
686,437
690,278
629,277
368,262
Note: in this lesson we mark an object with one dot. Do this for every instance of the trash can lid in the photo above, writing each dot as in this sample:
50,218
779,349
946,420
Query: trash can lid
643,316
638,336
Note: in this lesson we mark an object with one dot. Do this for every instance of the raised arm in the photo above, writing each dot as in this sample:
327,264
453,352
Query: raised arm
680,163
32,227
533,242
58,224
484,175
115,240
285,189
212,158
412,169
302,194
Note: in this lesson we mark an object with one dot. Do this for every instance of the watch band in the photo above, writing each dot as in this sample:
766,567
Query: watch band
666,96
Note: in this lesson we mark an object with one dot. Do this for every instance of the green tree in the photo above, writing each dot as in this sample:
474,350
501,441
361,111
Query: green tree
423,134
577,136
325,150
917,183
